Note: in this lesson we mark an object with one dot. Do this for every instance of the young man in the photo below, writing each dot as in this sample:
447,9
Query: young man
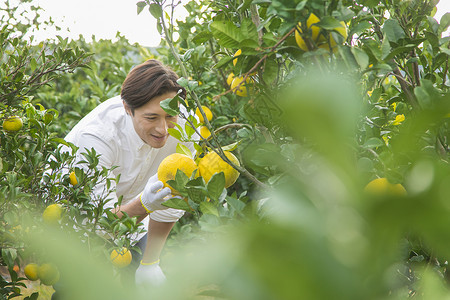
130,131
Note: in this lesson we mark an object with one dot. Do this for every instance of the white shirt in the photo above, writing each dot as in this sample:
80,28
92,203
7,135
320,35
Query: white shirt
110,131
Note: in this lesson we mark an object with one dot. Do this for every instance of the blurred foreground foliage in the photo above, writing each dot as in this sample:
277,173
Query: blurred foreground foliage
314,128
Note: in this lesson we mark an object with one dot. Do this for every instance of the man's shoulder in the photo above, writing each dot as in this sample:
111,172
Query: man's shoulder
103,121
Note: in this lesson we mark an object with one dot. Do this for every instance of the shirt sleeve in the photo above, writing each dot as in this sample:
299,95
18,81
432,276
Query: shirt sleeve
103,148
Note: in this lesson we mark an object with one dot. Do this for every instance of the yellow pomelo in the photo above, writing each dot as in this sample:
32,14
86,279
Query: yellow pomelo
48,274
13,123
207,111
236,55
31,271
204,132
212,163
382,187
121,259
230,78
242,90
169,166
324,44
313,19
52,213
315,30
73,178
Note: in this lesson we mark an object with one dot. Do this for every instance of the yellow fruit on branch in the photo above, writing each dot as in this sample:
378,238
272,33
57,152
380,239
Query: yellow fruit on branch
382,187
212,163
73,178
207,112
52,213
31,271
236,55
238,88
317,37
167,170
204,132
230,78
312,19
12,124
48,274
331,43
121,258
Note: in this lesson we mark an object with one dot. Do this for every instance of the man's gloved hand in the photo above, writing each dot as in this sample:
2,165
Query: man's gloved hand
154,194
150,274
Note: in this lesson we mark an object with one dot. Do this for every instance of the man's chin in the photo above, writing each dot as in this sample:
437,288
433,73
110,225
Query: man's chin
157,143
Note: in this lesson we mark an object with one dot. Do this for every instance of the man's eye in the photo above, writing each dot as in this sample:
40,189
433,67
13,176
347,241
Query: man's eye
151,119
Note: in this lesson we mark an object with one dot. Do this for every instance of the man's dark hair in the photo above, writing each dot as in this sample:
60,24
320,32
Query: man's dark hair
148,80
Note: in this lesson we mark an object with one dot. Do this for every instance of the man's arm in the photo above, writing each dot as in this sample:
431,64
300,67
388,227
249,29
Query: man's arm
156,238
133,209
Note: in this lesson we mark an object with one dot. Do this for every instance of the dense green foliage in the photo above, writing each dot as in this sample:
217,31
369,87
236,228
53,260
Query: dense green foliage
314,128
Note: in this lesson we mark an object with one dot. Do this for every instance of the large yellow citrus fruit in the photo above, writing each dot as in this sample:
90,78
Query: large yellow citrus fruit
212,163
73,178
13,123
382,187
230,78
52,213
242,90
31,271
207,111
318,37
121,259
48,274
312,19
204,132
236,55
324,44
169,166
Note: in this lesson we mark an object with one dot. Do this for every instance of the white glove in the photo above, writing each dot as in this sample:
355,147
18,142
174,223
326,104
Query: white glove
154,194
150,275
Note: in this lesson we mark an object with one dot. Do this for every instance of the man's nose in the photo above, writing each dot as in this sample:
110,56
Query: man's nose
162,126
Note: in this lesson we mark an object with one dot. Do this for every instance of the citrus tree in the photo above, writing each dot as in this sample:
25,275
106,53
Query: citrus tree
317,99
321,137
43,192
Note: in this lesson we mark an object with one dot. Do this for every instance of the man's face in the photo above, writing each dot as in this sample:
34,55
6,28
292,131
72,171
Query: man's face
151,121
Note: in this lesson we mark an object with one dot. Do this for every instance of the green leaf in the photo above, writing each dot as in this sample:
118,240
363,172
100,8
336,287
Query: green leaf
189,130
373,143
328,23
216,186
231,147
392,30
208,208
196,190
202,37
33,64
385,48
236,203
155,10
227,34
249,31
140,6
223,61
182,149
361,57
175,133
445,22
170,105
177,203
365,164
